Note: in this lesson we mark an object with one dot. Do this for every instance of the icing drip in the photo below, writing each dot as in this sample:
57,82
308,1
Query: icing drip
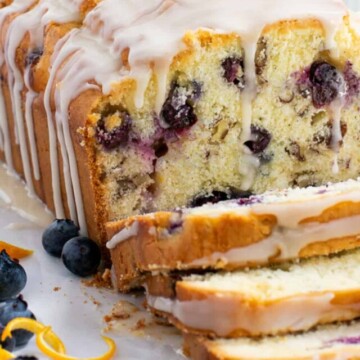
123,235
33,22
17,6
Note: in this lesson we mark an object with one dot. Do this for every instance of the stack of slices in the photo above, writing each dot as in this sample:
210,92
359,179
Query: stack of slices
265,277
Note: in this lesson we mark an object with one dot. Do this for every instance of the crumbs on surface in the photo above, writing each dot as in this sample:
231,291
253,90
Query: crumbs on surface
100,280
121,310
57,288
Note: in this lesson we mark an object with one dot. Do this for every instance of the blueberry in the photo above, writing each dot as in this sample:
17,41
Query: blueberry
81,256
217,196
22,357
34,56
12,309
234,71
12,277
326,83
117,136
57,234
260,139
178,109
9,343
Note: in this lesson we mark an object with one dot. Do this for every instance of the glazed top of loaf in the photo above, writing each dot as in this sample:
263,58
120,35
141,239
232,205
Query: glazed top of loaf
152,31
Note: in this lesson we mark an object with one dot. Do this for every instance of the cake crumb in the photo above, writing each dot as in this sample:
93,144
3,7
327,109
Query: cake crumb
140,325
57,288
100,280
121,310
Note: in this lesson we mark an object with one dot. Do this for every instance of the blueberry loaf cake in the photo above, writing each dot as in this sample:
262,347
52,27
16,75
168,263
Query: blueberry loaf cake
268,301
262,229
339,341
112,109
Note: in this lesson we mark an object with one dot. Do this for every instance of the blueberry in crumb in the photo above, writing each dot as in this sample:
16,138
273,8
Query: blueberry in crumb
178,110
57,234
217,196
112,137
12,309
12,277
34,56
234,71
81,256
326,83
260,139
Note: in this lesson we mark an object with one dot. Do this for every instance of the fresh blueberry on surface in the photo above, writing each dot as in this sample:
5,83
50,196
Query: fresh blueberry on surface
260,139
326,83
81,256
12,309
9,343
12,277
57,234
234,71
119,135
178,109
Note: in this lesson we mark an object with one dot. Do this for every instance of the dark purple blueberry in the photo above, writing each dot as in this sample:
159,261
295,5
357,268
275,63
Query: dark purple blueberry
160,147
117,136
178,110
9,343
12,309
326,83
34,56
57,234
12,277
81,256
234,71
217,196
260,139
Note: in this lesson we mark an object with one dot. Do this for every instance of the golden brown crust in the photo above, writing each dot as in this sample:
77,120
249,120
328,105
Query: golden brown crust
201,348
200,236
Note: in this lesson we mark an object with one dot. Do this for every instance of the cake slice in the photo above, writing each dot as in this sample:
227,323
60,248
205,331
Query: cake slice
270,228
257,302
339,341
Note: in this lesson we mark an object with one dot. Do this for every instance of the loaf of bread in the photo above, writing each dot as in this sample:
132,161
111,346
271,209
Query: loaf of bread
340,341
267,301
116,109
263,229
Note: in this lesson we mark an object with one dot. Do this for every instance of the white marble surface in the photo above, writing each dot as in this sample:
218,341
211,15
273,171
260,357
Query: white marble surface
71,310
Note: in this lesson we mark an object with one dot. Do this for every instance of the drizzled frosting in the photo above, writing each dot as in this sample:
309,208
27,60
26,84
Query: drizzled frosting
152,31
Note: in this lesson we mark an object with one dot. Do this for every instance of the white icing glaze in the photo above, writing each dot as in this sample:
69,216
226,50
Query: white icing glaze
285,243
123,235
225,313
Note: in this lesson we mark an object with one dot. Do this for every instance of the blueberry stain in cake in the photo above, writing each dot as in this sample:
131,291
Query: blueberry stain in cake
217,196
294,150
233,68
178,111
249,200
33,56
259,141
352,80
113,129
